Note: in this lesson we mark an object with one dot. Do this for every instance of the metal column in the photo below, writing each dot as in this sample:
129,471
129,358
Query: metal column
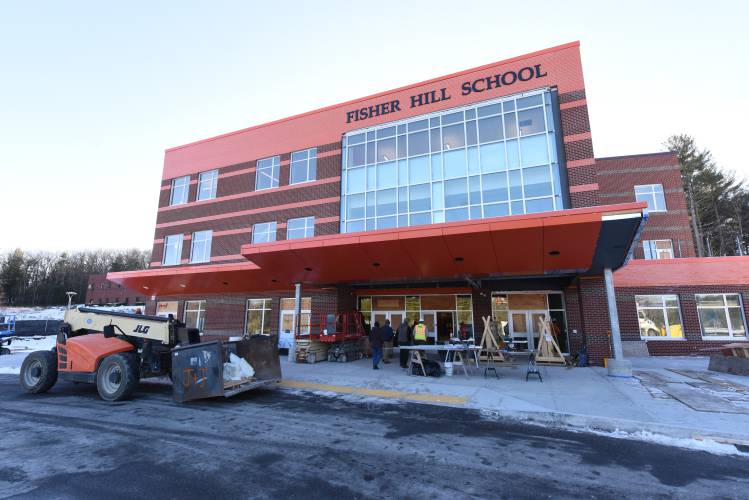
618,366
297,320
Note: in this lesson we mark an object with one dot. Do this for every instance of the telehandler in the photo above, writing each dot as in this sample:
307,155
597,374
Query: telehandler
114,350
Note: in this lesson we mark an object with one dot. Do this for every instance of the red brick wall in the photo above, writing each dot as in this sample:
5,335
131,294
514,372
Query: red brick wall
236,195
595,318
225,314
694,343
101,291
578,149
617,177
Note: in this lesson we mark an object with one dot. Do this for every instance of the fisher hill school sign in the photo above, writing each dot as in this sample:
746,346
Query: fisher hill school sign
434,96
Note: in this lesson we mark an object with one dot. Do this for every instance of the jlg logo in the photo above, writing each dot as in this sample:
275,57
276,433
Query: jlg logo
141,329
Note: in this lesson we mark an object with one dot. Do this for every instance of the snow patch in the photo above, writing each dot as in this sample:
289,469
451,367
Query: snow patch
56,313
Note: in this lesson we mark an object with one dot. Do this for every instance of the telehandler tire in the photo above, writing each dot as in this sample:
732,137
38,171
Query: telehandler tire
39,372
117,377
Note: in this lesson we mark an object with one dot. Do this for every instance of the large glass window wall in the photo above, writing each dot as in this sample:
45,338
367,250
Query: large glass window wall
491,159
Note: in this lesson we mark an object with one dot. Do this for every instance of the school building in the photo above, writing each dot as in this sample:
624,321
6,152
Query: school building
472,194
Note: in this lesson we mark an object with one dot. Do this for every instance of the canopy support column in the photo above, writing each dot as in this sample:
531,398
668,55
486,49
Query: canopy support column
297,320
618,367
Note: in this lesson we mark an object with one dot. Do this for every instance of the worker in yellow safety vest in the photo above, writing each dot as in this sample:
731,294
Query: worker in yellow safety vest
420,333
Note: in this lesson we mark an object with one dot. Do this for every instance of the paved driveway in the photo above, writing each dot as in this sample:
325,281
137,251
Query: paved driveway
292,444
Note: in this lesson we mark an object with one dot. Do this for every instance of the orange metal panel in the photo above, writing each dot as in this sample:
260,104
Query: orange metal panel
515,245
86,351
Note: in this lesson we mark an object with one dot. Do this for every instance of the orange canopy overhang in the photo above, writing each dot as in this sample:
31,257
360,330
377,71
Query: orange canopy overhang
564,242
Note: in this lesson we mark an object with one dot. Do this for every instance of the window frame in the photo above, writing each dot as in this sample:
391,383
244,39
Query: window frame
517,153
650,190
275,172
307,227
310,160
213,185
726,308
255,232
207,247
664,309
200,310
178,249
267,308
185,187
651,246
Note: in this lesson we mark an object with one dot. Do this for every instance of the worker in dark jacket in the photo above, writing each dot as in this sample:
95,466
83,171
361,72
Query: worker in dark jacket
387,334
404,338
375,341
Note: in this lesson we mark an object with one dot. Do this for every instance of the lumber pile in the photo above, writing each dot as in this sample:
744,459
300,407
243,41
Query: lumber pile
548,351
311,351
490,345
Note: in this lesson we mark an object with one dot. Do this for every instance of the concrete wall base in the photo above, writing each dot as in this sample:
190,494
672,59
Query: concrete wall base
635,348
729,364
619,368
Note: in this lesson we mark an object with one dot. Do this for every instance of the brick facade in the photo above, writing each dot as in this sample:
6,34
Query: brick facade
693,342
617,178
591,182
100,291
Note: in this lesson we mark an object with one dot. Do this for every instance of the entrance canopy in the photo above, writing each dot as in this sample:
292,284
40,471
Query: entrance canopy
565,242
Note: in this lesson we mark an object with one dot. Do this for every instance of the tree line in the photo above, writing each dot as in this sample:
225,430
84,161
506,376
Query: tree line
42,278
717,201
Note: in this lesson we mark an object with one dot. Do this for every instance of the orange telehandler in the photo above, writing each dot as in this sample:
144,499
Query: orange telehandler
114,350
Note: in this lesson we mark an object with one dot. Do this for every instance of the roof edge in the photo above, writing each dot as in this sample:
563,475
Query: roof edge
537,53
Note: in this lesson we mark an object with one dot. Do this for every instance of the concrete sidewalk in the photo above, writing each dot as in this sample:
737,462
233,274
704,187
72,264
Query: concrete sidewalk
580,398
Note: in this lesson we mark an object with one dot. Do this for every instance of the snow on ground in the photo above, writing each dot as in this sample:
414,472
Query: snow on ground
55,312
19,348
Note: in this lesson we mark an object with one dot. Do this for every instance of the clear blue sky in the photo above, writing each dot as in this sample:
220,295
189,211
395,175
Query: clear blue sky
91,93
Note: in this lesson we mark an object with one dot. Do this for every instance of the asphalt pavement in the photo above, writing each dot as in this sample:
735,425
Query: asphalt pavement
291,444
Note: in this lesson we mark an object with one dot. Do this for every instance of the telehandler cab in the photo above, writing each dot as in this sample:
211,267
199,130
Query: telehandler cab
114,350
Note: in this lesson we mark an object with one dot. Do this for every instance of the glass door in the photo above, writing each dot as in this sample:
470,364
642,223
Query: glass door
524,326
430,320
395,318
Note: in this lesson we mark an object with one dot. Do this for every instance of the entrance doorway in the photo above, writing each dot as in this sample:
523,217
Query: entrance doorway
445,326
524,326
396,318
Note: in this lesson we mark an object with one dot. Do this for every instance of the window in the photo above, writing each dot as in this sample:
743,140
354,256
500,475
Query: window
258,317
207,185
721,315
653,195
658,249
200,251
264,232
180,189
267,173
659,316
486,160
303,166
194,314
303,227
172,250
288,313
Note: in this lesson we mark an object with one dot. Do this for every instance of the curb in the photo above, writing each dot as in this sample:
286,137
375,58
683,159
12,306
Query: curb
689,437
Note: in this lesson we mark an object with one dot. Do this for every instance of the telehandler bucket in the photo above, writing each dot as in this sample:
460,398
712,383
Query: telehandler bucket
198,369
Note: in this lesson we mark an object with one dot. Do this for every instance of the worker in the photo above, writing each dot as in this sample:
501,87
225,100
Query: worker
386,332
404,338
138,310
420,333
463,331
375,341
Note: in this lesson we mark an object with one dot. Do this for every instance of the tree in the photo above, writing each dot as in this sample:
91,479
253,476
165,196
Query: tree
11,276
717,202
42,278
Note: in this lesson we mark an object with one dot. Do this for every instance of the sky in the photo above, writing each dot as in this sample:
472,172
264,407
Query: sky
92,93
